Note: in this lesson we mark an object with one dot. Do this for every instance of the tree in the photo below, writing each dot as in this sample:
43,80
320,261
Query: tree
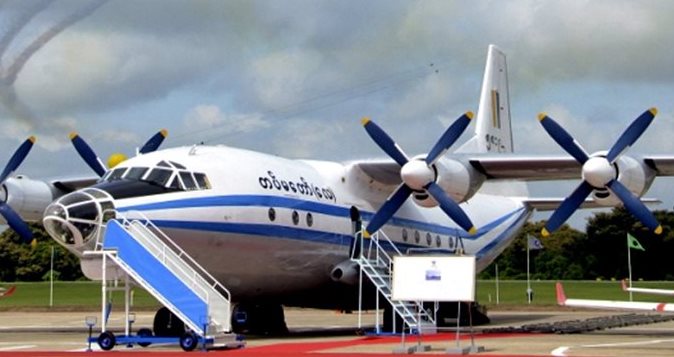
20,261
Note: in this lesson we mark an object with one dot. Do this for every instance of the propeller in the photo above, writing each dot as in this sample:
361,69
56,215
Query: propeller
13,219
90,157
599,172
418,175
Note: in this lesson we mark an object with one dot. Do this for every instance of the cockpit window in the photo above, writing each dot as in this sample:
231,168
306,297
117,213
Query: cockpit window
188,180
165,176
202,180
177,165
116,174
159,176
135,173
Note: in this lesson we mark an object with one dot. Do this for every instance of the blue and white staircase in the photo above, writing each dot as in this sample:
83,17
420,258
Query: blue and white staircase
158,265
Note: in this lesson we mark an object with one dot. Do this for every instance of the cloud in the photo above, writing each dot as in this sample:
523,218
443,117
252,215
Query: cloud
206,117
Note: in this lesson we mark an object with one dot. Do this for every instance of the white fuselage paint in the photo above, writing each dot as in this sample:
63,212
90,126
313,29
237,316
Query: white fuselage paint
228,229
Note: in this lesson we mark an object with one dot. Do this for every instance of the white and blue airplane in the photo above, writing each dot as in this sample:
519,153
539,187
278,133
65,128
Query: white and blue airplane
278,232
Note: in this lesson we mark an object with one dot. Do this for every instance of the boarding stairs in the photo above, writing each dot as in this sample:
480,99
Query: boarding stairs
375,259
169,274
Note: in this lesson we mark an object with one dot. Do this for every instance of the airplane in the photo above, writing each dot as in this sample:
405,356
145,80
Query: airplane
278,232
562,300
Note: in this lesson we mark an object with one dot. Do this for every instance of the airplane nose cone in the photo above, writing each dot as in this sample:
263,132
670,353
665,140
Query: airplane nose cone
598,172
75,220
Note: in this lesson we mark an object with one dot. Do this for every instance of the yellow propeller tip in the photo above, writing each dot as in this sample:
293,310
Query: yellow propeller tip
366,234
472,230
470,115
658,230
163,132
541,116
72,135
653,111
32,139
544,232
365,120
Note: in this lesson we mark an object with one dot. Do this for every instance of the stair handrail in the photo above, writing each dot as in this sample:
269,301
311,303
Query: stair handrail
181,253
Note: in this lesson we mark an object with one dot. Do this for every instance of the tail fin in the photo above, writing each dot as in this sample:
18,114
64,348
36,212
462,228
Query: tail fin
492,129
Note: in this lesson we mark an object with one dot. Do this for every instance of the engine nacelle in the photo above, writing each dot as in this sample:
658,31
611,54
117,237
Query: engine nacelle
27,197
459,180
345,272
634,174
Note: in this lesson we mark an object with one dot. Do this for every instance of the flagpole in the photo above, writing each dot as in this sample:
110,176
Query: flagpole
528,280
629,264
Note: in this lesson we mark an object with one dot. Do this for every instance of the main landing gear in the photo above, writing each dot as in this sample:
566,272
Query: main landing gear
259,319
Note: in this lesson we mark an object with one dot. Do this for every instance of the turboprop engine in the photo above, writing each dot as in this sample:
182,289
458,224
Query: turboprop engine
430,180
612,177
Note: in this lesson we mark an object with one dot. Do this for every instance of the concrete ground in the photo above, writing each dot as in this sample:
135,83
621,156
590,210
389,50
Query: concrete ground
332,332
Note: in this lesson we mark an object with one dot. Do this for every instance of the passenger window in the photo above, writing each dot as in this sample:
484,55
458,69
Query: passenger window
188,180
135,173
202,180
159,176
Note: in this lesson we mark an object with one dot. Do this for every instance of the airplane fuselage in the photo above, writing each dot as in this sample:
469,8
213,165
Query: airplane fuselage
270,228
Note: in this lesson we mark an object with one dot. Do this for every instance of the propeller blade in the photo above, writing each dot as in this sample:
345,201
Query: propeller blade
154,142
87,154
389,208
635,206
451,208
631,134
17,158
15,222
566,209
563,138
449,137
384,142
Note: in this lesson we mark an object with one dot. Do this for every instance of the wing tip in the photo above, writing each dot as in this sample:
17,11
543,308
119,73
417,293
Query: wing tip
561,296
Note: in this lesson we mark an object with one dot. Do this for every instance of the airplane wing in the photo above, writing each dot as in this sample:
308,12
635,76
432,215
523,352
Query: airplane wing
562,300
507,167
73,183
646,290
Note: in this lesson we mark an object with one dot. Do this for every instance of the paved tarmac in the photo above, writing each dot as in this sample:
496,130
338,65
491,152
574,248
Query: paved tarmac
332,332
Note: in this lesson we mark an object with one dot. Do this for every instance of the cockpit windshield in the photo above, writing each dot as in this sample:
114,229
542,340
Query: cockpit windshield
168,174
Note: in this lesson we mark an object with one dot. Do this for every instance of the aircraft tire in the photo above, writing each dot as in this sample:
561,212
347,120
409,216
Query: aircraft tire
166,324
259,319
144,332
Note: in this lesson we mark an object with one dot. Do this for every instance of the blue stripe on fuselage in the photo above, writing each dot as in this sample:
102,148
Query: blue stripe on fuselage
309,206
270,230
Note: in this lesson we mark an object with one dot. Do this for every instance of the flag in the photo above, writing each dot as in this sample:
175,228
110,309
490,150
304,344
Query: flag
535,243
633,243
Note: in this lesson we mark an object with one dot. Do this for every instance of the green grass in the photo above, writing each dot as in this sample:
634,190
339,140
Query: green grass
86,295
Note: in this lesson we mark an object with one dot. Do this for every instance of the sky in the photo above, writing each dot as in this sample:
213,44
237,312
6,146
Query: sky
293,78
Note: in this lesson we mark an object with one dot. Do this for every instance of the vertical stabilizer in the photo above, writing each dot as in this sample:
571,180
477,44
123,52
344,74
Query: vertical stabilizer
492,127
